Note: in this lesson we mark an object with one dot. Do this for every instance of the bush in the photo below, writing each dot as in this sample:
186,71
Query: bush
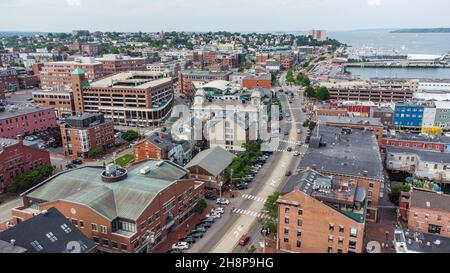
95,151
200,206
130,135
395,194
24,181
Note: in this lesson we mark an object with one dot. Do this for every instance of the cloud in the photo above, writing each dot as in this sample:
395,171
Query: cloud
374,3
73,3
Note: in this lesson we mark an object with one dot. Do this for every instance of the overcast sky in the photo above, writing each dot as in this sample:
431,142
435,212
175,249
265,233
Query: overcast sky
213,15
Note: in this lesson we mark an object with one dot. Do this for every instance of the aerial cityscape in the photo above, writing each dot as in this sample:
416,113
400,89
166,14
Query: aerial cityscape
162,137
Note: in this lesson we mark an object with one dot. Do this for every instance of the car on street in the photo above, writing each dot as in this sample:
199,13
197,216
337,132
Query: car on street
77,161
289,149
242,186
210,196
214,215
196,235
205,224
244,240
248,179
189,239
200,229
208,220
175,251
222,201
218,210
180,245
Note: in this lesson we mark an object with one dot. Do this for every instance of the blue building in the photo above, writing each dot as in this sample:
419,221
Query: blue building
408,115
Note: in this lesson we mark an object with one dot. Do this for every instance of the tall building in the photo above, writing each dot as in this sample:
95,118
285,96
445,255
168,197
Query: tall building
113,64
61,100
137,98
188,78
17,158
319,35
82,132
321,214
121,210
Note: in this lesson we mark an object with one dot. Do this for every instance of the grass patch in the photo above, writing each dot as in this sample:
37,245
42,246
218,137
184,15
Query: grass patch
124,160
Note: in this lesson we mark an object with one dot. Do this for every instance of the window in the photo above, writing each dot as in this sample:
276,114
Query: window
341,228
66,228
331,227
286,240
105,242
286,220
75,222
330,238
114,245
299,233
330,249
299,243
103,229
95,239
339,250
286,231
94,227
36,245
286,210
123,247
353,232
51,237
300,212
81,224
340,240
299,222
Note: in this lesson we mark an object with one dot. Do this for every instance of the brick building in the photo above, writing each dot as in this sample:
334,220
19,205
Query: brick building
59,99
17,158
321,214
90,49
415,141
260,80
429,212
121,210
85,131
113,64
188,78
345,154
59,73
370,124
377,95
137,98
8,79
23,120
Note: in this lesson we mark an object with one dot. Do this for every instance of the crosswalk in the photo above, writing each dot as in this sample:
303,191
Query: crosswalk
254,198
250,213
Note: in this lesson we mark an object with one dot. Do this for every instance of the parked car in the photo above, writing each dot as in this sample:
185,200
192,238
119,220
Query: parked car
175,250
200,229
77,161
189,239
180,245
206,224
209,220
210,196
196,235
242,186
222,201
248,179
289,149
244,240
218,210
214,215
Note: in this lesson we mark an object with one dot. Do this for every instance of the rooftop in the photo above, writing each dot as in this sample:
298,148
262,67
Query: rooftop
133,79
419,137
350,120
355,154
19,110
417,242
214,160
48,232
430,200
424,155
125,199
345,195
205,73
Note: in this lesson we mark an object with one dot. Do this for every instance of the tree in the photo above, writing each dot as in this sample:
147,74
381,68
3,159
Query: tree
24,181
322,93
130,135
271,209
290,76
303,79
395,194
200,206
95,151
310,92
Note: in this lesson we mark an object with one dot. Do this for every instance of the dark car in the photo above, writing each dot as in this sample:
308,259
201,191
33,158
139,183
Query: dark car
54,145
242,186
71,166
196,235
289,149
200,229
209,220
175,250
189,240
210,196
206,224
77,161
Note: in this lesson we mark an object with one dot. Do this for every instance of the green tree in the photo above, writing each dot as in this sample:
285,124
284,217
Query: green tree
200,206
290,76
24,181
303,79
322,93
95,151
310,92
395,194
130,135
271,209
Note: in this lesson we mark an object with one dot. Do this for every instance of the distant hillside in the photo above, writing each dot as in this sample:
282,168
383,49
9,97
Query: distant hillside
422,30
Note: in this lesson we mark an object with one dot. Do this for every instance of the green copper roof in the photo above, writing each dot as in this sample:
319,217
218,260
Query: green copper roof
167,70
78,71
86,84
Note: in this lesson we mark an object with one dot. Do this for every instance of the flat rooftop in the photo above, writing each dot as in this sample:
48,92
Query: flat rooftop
350,120
425,155
133,79
19,110
418,137
355,154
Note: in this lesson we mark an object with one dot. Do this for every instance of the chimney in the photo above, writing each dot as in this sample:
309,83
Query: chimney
12,242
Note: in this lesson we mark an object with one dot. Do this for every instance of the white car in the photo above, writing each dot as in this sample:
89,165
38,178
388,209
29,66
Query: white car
213,215
222,201
180,245
217,210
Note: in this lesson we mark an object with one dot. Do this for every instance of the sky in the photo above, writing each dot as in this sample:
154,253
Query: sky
215,15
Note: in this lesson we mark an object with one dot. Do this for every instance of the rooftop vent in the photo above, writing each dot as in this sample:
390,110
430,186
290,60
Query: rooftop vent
113,173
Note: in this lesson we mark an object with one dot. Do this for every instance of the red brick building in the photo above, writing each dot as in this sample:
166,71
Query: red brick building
429,212
85,131
113,64
154,147
187,79
17,158
321,214
414,141
259,80
121,210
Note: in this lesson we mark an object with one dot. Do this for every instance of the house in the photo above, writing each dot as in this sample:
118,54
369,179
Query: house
47,232
209,166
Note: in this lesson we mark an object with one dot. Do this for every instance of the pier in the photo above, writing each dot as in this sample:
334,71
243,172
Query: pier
397,65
